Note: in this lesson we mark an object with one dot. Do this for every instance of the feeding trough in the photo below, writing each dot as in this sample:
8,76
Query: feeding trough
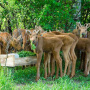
13,59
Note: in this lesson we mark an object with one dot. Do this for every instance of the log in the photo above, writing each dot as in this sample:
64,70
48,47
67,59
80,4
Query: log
25,61
12,61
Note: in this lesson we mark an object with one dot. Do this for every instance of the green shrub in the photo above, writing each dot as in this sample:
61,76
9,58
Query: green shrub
26,53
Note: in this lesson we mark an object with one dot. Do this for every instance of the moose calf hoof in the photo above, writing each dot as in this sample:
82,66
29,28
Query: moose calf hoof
52,74
71,76
45,77
64,74
61,75
37,78
49,75
56,76
68,74
85,74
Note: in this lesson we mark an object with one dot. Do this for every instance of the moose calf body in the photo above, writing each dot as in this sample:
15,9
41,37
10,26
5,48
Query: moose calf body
84,45
6,39
47,45
68,41
73,56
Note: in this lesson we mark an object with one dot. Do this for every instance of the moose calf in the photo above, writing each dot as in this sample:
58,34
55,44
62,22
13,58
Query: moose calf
47,45
84,45
7,41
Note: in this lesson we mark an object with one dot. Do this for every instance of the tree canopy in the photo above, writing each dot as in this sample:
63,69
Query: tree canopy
49,14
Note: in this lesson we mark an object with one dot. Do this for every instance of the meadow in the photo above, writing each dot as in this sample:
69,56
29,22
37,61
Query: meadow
24,79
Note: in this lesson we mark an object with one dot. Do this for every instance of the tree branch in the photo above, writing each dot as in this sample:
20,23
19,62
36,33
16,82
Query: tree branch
2,5
80,10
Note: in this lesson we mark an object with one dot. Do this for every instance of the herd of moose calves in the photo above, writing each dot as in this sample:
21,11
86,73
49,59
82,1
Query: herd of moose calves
51,43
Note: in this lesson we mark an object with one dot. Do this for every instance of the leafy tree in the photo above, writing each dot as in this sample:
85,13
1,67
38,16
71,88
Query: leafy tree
85,11
50,14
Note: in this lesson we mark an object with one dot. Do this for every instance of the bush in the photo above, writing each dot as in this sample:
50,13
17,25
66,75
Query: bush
26,53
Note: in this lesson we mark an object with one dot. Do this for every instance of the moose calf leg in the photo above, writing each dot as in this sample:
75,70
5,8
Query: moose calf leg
39,56
52,65
46,60
58,61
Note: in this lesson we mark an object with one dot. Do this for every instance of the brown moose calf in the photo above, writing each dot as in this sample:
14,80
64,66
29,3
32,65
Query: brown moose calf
47,45
25,37
84,45
73,56
7,41
67,43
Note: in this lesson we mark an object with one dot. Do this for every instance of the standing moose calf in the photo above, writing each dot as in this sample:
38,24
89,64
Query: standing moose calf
67,44
84,45
47,45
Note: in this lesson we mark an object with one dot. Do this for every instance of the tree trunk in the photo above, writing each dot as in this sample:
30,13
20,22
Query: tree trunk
0,27
78,10
9,26
66,25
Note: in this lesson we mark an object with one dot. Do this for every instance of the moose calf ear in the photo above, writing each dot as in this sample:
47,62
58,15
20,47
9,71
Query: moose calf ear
86,25
34,31
28,32
77,27
38,32
14,40
19,37
78,24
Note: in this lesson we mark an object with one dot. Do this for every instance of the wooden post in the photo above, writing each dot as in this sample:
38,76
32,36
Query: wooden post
0,53
0,49
8,70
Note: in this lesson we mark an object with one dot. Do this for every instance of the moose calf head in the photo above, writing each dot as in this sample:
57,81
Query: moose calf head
82,30
16,43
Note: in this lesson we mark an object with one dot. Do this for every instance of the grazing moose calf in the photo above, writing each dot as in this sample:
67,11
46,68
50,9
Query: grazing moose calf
47,45
6,39
24,38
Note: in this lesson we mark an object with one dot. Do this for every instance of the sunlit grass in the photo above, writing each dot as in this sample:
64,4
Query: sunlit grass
24,79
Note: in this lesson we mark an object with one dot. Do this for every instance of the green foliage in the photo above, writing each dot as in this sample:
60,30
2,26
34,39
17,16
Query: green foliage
26,53
33,47
50,14
85,11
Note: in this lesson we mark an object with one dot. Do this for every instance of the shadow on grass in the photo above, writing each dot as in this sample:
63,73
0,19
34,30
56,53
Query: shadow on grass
28,75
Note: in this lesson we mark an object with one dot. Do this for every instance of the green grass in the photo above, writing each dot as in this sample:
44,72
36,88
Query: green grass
6,83
24,79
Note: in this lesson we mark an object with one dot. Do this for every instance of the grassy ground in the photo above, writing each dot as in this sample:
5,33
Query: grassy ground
25,80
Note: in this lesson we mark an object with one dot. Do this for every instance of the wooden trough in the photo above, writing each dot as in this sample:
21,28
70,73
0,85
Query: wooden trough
12,60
